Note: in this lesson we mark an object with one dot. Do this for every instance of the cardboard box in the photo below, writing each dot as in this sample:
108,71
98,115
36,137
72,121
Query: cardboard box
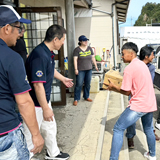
115,78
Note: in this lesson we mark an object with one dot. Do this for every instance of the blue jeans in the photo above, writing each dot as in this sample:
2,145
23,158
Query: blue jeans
158,119
127,118
83,76
13,146
131,130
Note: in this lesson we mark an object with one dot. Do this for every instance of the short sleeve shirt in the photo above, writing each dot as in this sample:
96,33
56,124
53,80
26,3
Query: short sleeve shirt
13,81
20,48
84,58
40,68
137,79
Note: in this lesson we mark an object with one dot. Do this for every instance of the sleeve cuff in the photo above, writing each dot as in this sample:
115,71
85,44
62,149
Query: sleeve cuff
38,82
22,92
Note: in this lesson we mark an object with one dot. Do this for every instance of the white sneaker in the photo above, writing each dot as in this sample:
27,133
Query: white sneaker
157,125
146,155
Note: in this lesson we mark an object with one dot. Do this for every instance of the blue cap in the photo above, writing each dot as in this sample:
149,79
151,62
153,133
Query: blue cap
8,15
83,38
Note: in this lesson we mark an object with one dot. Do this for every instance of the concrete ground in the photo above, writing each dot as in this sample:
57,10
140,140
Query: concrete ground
79,126
84,133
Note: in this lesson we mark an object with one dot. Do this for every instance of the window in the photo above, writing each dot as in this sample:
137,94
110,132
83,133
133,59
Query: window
35,32
42,18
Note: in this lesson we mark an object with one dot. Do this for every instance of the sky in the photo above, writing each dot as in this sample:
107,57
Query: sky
134,11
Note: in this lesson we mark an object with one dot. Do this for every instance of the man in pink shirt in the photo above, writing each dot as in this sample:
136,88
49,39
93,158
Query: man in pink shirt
137,82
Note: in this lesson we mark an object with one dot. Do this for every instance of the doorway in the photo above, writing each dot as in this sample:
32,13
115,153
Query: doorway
42,18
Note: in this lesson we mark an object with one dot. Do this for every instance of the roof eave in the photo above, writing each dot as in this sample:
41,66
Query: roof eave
122,9
83,3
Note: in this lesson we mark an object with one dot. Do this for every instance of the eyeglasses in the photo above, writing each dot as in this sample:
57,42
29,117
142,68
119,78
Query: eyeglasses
19,27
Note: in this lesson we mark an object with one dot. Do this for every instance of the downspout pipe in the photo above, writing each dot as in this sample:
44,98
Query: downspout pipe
114,55
112,15
102,11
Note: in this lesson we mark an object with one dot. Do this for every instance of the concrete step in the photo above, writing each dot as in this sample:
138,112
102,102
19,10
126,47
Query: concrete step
140,144
139,140
117,103
115,108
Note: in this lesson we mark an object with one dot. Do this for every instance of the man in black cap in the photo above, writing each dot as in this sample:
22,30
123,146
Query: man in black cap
14,89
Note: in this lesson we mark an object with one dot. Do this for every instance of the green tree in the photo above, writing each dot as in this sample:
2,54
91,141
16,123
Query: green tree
150,13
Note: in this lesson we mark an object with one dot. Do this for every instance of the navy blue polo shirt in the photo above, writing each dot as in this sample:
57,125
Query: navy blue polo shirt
13,80
40,68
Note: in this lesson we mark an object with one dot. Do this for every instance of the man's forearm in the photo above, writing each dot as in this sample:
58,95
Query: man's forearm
41,95
58,76
27,111
119,90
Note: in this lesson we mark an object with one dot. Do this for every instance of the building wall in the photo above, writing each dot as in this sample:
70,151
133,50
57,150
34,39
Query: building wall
101,28
98,28
48,3
140,35
82,27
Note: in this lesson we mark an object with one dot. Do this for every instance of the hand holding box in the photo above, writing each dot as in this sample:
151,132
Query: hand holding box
114,77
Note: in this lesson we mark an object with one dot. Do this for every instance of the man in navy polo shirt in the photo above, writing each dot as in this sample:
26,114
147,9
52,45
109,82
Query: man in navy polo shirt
14,88
40,67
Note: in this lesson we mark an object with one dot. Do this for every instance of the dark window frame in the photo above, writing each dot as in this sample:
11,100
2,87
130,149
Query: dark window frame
60,55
